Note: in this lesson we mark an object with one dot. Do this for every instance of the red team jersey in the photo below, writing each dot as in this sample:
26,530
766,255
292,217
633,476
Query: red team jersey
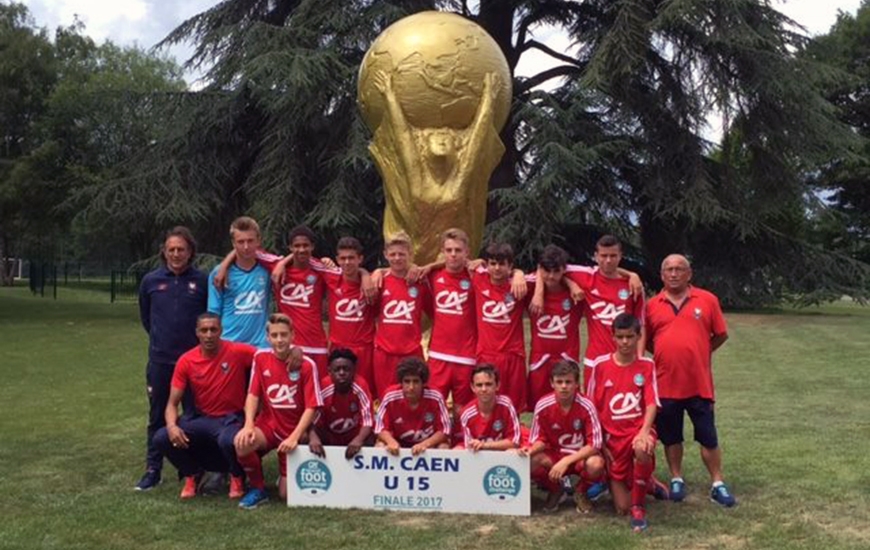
351,319
343,415
217,383
411,426
300,297
454,324
566,432
556,331
605,299
499,317
503,423
283,395
681,342
621,394
400,315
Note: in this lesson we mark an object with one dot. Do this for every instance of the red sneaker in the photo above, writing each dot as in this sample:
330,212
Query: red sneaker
237,487
189,489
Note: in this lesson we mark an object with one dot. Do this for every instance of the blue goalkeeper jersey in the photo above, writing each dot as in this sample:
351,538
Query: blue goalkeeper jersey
243,305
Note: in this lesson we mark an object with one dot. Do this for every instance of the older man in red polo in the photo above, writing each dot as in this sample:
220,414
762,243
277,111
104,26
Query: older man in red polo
684,326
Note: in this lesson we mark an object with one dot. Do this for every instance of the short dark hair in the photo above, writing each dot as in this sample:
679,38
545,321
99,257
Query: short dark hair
342,353
280,318
624,321
553,257
301,231
607,241
184,233
412,366
486,368
350,243
563,367
500,252
208,315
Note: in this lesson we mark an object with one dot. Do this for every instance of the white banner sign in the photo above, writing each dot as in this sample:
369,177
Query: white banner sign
487,482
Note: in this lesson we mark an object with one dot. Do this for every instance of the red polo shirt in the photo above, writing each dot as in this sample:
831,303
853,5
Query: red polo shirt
681,342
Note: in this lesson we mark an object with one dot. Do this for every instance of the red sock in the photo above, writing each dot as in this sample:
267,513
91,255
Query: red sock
541,476
642,479
253,466
586,481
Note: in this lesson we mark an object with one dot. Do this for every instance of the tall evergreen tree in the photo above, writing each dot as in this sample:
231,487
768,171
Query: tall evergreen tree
617,139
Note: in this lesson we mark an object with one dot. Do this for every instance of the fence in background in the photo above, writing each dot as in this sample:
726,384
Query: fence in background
120,285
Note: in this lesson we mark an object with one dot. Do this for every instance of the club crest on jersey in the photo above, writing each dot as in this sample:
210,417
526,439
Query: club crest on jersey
577,424
310,279
191,285
508,298
353,407
261,280
225,367
697,313
623,294
497,425
639,380
294,375
428,417
162,286
566,304
413,292
464,284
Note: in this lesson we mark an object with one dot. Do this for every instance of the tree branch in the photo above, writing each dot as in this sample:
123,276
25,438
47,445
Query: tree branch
547,50
540,78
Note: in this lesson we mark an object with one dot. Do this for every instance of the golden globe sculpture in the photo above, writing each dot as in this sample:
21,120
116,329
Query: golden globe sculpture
435,90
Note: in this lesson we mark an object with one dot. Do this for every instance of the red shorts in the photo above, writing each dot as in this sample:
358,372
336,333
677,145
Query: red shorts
385,365
512,374
449,377
273,439
364,358
621,468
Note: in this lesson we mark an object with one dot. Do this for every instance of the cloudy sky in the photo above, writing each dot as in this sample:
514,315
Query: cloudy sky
146,22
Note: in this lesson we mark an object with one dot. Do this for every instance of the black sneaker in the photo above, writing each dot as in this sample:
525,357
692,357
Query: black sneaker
150,480
213,483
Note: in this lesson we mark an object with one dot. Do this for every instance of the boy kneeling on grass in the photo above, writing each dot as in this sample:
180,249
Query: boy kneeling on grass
489,421
565,439
411,414
623,389
289,391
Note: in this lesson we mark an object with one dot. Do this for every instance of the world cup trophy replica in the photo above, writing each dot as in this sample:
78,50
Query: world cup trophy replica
435,90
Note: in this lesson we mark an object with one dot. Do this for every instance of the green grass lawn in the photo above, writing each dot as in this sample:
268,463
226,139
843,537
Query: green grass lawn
793,412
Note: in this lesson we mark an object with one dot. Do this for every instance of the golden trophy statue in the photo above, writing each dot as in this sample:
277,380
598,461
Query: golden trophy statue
435,90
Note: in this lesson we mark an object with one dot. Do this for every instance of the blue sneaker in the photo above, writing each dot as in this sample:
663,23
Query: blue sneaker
721,495
150,480
254,498
659,490
596,491
678,490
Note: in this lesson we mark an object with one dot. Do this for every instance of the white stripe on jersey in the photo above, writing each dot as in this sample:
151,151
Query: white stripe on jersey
365,404
445,416
515,420
390,396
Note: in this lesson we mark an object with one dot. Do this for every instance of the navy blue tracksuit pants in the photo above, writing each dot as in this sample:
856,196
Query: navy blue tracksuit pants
210,447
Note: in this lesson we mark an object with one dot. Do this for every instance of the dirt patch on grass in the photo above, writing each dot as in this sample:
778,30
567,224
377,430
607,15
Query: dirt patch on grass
414,522
487,529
